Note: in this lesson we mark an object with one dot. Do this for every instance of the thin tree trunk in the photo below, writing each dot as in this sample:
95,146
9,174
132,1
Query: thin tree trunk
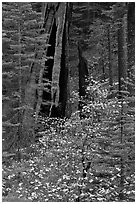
122,54
122,73
103,70
109,58
131,46
68,20
68,106
83,77
20,94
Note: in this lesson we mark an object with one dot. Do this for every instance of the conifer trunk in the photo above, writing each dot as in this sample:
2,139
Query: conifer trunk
20,91
55,90
29,123
68,20
122,54
109,58
83,75
48,16
53,14
131,45
122,74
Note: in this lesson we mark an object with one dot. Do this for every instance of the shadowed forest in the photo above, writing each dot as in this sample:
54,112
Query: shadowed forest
68,102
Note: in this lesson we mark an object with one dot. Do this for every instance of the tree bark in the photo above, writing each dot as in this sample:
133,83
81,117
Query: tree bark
36,69
60,22
131,46
48,16
83,75
54,15
122,76
122,54
68,104
36,74
109,59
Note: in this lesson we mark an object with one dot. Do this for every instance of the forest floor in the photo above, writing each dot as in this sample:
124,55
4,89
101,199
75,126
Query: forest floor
51,171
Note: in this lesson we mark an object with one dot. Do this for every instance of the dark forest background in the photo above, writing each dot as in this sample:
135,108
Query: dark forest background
68,101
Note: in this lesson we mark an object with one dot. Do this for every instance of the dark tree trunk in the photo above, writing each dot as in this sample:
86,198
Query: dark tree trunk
122,74
67,104
60,70
45,74
53,78
47,89
102,65
109,59
131,45
83,77
122,55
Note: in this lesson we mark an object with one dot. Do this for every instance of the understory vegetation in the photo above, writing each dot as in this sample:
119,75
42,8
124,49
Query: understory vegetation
88,159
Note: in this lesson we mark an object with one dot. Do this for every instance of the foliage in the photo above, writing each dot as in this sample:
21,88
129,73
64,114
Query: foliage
78,159
21,26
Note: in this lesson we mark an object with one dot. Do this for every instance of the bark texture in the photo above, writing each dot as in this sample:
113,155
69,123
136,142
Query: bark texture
122,78
48,16
83,75
60,22
122,53
49,78
36,74
131,46
109,58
